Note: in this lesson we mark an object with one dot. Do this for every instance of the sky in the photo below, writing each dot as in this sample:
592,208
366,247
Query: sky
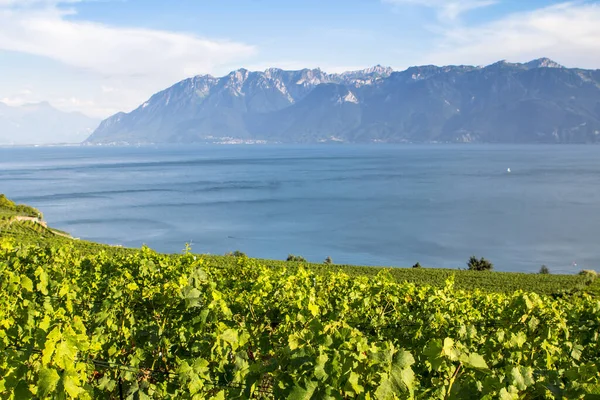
99,57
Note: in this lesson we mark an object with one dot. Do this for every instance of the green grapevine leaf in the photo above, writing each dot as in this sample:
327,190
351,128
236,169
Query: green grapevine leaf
219,396
320,373
230,336
47,381
510,394
353,384
522,377
314,309
403,359
71,386
300,393
475,361
26,283
518,340
576,352
42,285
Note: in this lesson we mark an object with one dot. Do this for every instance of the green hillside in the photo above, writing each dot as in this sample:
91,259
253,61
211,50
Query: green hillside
9,209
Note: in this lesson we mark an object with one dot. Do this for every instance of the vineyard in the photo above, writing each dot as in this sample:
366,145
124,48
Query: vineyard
137,325
493,282
505,282
86,320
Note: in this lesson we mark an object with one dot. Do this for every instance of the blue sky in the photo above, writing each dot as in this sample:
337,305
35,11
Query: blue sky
104,56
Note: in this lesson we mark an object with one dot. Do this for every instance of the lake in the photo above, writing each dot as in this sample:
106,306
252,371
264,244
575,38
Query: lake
388,205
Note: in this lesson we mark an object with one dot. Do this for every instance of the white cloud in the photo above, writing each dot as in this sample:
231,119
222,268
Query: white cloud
567,33
13,101
112,50
21,97
142,60
446,9
23,4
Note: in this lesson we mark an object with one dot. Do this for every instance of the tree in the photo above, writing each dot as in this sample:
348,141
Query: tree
236,253
328,260
479,265
544,270
417,265
292,257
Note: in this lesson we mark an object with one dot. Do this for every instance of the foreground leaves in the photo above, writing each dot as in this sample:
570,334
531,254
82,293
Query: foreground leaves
76,325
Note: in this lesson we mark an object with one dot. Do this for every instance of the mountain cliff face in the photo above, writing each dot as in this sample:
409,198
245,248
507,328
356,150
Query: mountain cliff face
40,123
539,101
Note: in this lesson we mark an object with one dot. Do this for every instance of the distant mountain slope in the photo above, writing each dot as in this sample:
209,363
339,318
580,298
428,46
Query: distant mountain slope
40,123
535,102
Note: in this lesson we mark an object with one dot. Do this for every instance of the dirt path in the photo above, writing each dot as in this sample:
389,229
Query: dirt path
32,219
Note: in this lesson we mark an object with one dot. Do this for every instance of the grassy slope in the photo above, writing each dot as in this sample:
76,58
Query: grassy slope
27,232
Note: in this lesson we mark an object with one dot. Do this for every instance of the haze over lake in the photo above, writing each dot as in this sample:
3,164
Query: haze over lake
370,204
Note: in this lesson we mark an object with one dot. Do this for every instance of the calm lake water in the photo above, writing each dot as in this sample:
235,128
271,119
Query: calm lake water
371,205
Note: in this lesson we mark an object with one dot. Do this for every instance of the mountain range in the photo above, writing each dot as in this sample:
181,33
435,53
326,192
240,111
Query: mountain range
535,102
40,123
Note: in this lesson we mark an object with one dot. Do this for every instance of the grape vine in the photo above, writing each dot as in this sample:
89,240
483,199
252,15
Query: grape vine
141,325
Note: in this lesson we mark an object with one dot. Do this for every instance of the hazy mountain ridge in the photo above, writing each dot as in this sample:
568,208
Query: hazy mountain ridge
538,101
40,123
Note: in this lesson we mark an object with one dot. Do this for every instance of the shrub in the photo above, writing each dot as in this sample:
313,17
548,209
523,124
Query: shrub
479,265
588,272
417,265
292,257
544,270
236,253
328,260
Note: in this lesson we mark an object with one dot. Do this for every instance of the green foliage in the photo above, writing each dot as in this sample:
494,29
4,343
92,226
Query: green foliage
74,322
481,264
236,253
6,203
495,282
505,282
29,232
8,208
544,270
594,287
589,275
292,257
77,318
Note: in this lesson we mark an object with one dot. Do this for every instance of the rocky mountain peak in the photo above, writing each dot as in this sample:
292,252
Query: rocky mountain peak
375,70
312,77
543,63
239,75
503,64
273,72
502,102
